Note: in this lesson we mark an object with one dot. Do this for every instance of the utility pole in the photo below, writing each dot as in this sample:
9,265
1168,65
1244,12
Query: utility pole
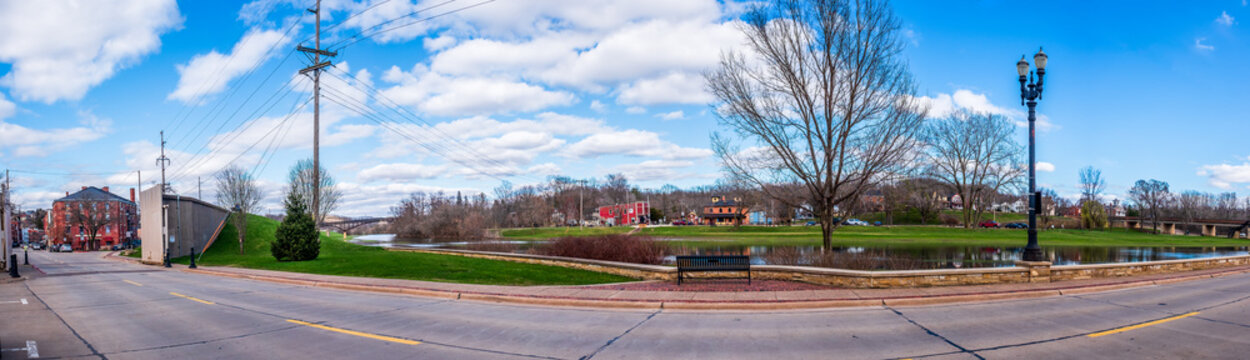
199,188
4,222
163,162
316,68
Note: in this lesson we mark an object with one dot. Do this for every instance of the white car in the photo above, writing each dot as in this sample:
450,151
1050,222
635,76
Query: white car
856,222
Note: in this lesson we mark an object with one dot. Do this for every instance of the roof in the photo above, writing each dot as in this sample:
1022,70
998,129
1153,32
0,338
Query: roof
723,216
92,193
724,202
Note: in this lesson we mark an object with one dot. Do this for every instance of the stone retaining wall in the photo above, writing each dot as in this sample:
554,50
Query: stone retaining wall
1024,272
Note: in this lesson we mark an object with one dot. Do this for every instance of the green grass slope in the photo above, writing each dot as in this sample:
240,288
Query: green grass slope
339,257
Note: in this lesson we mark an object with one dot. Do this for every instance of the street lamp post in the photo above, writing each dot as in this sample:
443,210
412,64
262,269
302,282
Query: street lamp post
1030,92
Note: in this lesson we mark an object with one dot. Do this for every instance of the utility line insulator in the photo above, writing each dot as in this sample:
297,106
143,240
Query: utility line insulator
316,67
317,51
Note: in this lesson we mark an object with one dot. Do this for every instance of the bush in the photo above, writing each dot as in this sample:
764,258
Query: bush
296,238
622,248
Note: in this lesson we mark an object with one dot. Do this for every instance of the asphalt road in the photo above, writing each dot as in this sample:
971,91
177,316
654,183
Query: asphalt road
87,307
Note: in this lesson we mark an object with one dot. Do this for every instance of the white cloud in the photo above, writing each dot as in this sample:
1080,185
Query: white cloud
1200,46
21,141
401,172
594,105
675,115
210,73
1045,166
653,169
7,108
439,94
61,49
439,43
1225,175
636,110
1225,19
944,105
634,143
674,88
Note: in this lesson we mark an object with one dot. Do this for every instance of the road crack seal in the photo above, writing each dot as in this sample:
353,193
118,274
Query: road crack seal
935,334
71,328
618,337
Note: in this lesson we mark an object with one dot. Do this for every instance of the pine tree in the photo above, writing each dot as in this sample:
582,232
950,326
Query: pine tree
296,238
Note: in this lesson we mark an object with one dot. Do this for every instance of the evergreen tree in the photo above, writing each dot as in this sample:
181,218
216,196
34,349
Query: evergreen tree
296,238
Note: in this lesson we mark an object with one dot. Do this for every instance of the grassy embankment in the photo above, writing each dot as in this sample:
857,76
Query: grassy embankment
339,257
899,236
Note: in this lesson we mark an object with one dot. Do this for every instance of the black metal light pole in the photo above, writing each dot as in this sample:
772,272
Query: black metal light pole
1030,92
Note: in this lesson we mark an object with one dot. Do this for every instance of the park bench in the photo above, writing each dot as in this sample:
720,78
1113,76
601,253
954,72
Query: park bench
702,263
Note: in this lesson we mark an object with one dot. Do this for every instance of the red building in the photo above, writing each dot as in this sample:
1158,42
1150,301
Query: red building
73,217
625,214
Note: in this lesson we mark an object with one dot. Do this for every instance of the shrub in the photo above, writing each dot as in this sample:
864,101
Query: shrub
296,238
617,247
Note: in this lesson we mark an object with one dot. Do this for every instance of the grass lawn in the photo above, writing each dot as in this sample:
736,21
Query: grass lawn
701,236
912,217
339,257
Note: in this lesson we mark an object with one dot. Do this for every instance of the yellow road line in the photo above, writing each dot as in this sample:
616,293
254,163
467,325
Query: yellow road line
357,333
191,298
1142,325
132,283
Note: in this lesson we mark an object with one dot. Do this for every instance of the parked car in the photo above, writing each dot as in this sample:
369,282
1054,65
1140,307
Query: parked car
1016,226
36,246
855,222
116,247
64,248
876,223
988,224
810,223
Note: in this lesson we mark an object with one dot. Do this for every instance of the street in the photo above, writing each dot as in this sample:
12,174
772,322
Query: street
89,307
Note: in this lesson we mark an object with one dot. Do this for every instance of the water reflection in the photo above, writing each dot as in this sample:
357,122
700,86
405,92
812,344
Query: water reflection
870,257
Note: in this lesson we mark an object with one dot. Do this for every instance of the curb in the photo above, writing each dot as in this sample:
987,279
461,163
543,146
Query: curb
702,305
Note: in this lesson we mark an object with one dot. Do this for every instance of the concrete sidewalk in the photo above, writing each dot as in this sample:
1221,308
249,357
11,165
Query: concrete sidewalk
709,295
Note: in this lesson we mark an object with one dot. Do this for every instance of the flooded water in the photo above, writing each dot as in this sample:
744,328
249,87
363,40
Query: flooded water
872,258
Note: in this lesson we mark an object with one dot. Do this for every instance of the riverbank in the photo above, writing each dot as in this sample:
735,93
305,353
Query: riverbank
339,257
898,236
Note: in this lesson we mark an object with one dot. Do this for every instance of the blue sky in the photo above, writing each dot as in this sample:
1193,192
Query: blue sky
518,90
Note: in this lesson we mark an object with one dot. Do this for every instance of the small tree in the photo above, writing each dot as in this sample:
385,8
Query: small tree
301,182
237,191
296,238
1093,215
91,221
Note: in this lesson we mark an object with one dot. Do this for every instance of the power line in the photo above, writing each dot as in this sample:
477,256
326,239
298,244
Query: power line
262,138
395,107
363,35
227,120
204,87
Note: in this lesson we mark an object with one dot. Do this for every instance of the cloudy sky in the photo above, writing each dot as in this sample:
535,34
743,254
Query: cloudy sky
464,94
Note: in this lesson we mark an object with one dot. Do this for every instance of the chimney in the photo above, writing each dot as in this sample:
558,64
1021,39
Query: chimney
84,188
132,194
67,193
106,189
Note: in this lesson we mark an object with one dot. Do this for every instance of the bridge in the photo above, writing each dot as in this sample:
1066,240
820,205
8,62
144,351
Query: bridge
1209,227
345,226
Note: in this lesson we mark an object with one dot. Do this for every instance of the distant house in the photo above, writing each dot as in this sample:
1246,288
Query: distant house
625,214
759,217
873,201
723,211
1018,206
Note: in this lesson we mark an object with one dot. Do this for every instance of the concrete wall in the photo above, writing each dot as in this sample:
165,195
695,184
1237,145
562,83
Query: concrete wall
1025,272
190,223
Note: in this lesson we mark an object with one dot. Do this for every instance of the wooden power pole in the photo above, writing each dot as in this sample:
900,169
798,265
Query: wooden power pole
316,68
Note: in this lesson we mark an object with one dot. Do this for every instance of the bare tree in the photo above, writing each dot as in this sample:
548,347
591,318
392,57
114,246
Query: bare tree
1092,184
975,155
825,99
91,221
1049,206
237,191
301,183
1150,197
1189,204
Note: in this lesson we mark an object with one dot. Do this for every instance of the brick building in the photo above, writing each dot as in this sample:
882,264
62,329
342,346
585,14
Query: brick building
115,218
724,211
625,214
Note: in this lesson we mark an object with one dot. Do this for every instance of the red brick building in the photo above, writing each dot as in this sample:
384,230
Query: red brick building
625,214
115,218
